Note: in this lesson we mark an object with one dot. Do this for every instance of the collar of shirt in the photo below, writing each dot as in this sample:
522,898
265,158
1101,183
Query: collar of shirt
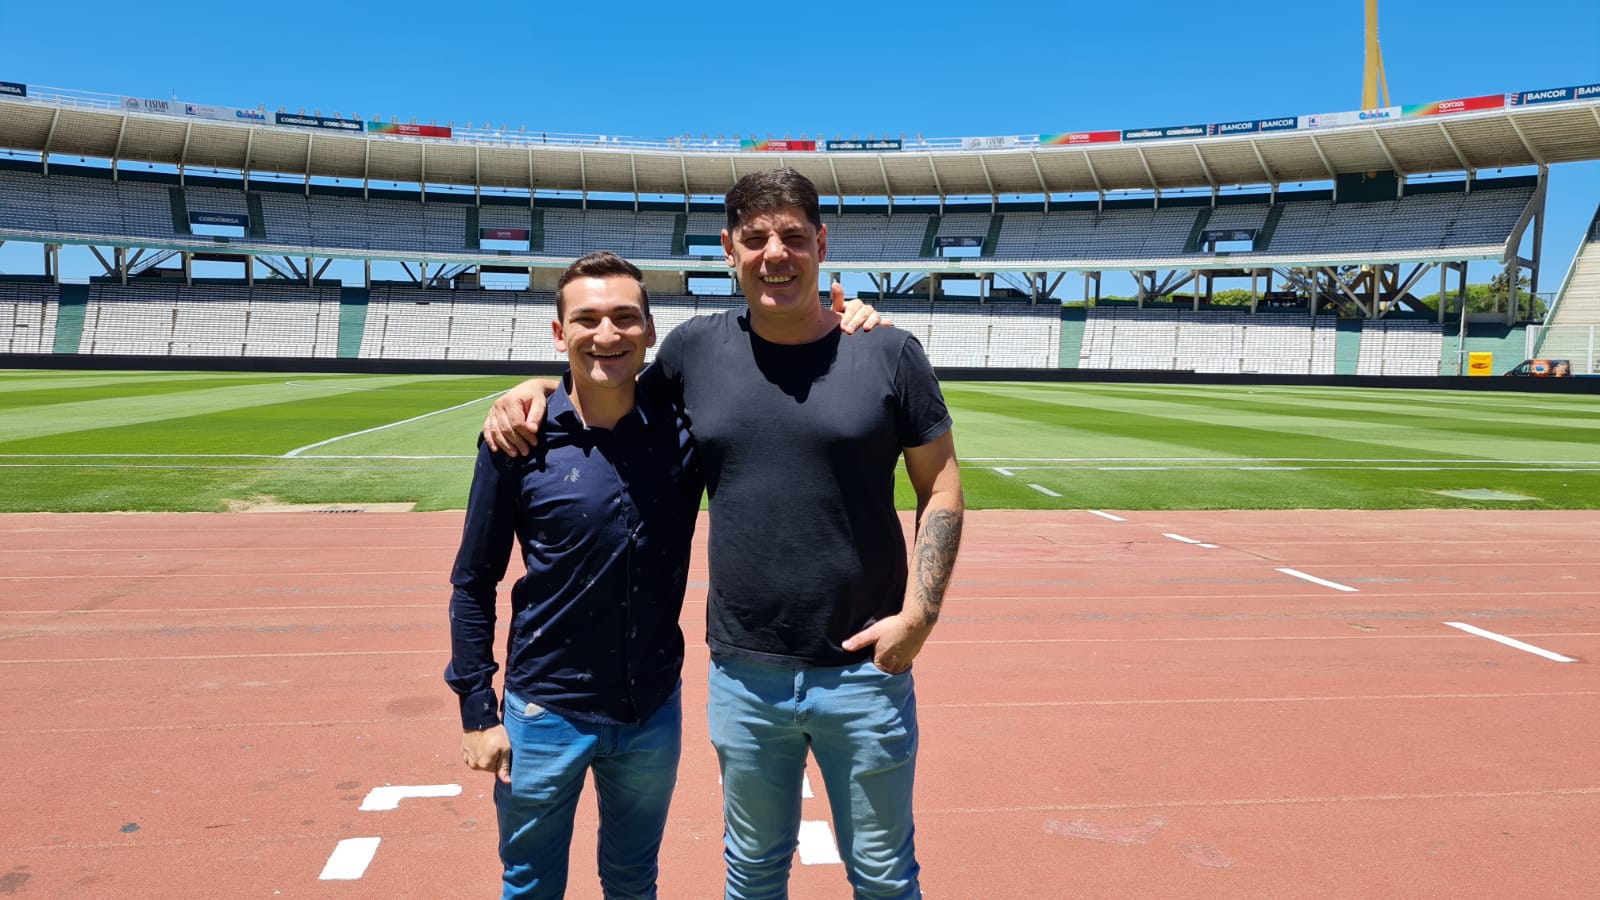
564,418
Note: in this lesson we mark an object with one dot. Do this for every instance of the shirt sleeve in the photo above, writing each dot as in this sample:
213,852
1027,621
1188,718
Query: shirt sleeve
486,543
921,414
663,378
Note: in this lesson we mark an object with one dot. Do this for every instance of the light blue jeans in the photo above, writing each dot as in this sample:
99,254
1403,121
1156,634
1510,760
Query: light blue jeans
861,725
635,768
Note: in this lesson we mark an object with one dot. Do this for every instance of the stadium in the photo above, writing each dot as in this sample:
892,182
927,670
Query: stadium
1330,281
1272,584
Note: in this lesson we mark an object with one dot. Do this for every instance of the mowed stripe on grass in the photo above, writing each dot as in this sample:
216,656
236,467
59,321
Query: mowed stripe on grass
198,441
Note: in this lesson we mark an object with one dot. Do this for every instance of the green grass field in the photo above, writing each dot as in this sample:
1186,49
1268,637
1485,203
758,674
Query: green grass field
100,441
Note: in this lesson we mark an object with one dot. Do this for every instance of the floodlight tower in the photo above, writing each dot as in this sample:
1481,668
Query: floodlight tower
1375,80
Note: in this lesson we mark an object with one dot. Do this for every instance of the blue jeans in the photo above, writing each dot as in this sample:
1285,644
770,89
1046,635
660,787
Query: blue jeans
861,725
635,768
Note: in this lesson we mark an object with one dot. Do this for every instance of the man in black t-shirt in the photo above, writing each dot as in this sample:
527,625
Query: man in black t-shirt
812,620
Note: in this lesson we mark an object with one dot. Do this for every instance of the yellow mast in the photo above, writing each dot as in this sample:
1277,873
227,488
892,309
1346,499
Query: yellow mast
1374,80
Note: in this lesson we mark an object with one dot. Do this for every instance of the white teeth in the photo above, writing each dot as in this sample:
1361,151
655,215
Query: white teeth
776,279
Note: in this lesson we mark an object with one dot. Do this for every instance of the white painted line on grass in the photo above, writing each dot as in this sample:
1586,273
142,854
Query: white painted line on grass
350,859
1106,515
299,450
1510,642
817,847
389,796
1322,581
1044,490
1006,472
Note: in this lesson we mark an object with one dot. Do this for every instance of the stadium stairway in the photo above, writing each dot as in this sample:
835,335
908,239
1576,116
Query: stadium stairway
1347,345
1192,245
70,313
1264,239
930,238
1073,321
352,320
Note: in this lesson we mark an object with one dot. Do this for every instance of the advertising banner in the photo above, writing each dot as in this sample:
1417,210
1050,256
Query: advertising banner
990,143
1555,95
1446,107
1167,131
1359,117
433,131
1286,123
885,144
778,146
226,114
1080,137
211,218
300,121
13,89
1480,362
503,234
153,107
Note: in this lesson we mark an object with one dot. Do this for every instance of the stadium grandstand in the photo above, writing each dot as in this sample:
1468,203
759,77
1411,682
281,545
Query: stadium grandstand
977,245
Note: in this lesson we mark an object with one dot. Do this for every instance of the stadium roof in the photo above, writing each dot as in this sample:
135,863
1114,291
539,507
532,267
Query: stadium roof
1511,136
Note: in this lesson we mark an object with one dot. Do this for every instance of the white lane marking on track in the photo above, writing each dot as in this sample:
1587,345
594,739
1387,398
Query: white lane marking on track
1044,490
1106,515
389,796
805,787
817,847
1322,581
299,450
350,859
1511,642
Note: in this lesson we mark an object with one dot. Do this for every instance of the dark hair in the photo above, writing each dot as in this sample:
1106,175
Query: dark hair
601,264
768,190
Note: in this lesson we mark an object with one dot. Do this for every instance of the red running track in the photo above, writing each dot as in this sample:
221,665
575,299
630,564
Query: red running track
1151,707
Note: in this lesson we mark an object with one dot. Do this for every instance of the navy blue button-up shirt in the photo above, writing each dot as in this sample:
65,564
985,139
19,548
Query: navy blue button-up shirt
604,520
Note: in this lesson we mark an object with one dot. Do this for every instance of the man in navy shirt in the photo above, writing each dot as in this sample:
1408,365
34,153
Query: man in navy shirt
813,614
603,513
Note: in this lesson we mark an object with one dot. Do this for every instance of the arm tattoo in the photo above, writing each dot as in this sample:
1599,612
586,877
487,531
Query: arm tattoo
937,542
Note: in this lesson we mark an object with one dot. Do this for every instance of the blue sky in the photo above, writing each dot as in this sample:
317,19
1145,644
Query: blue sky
937,68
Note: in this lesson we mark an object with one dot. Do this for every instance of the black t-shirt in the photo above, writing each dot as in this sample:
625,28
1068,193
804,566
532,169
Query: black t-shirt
799,444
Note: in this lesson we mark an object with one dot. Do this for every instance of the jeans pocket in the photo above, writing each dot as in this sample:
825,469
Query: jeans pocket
524,710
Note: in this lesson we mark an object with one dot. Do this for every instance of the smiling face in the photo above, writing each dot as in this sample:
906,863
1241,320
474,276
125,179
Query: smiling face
777,255
604,329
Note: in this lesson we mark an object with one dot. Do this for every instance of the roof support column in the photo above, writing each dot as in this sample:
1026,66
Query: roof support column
44,152
994,198
116,155
1033,157
183,161
309,139
888,190
249,150
1538,228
